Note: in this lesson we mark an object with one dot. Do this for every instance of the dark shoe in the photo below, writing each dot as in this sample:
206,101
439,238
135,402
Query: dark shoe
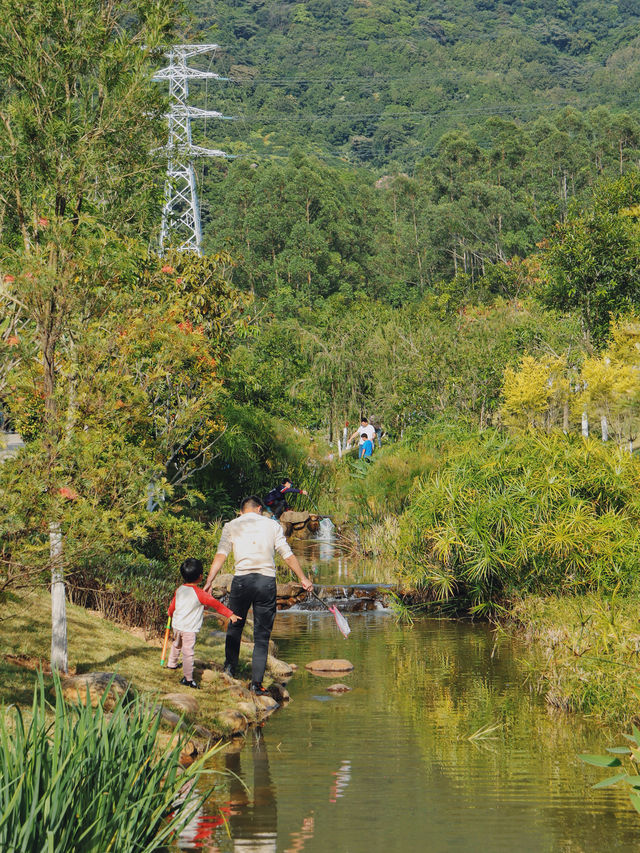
186,683
172,667
258,689
229,670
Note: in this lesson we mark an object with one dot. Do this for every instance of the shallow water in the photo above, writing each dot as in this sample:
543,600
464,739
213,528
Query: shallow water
391,765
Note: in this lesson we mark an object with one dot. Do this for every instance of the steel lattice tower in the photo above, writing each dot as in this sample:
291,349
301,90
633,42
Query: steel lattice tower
181,211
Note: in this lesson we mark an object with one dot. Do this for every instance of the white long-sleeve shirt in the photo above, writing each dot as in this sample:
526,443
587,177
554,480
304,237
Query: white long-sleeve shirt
254,539
187,607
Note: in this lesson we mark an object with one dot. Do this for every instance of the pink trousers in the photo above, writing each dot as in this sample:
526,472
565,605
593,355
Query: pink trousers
185,641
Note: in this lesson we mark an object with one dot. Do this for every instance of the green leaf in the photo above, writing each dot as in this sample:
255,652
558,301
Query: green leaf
634,781
600,760
610,781
635,801
619,750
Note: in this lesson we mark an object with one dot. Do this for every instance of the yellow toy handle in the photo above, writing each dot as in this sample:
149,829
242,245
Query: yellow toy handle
166,642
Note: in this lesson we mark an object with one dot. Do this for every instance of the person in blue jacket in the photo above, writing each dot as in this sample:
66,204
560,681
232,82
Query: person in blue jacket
276,500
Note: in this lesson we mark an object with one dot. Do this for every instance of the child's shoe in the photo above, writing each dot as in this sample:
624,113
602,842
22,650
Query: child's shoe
186,683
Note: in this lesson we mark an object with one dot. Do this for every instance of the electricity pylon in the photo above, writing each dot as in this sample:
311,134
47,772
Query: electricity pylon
181,211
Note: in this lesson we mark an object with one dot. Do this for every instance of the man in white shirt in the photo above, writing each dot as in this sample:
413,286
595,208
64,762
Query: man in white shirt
364,431
254,539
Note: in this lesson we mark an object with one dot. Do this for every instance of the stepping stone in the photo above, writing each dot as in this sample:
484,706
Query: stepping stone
338,688
335,665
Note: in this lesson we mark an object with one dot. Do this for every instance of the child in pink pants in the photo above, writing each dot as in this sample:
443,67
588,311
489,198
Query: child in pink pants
187,611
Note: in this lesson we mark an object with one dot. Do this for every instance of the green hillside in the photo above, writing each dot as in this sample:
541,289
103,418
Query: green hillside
379,82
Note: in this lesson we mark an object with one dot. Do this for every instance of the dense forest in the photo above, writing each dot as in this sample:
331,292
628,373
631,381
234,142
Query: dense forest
430,216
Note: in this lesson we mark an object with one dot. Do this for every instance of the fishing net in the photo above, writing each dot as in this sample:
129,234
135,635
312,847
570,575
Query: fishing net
341,622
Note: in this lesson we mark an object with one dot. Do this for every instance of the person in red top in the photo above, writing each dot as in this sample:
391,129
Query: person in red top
187,611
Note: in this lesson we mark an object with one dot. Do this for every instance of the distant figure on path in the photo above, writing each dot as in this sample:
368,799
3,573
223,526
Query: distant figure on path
364,431
186,611
375,423
254,539
276,500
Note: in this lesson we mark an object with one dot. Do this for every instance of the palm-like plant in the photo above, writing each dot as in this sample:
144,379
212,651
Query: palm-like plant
526,513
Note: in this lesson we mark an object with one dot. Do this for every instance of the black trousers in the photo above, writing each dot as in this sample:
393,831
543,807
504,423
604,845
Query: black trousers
257,591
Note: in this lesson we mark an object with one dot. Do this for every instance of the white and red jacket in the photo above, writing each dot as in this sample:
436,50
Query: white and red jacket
187,607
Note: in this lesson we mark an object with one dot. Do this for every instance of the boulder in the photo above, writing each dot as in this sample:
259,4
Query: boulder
233,722
265,704
188,753
338,688
248,708
279,693
330,665
74,688
221,585
208,676
278,668
299,524
288,590
185,702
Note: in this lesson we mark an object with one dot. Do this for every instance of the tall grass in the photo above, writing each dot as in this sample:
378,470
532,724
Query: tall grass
524,514
89,782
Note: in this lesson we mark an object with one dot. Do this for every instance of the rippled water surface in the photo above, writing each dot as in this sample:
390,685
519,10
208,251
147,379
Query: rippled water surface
392,766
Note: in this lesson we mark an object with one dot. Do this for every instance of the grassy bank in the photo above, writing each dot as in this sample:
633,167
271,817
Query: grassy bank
96,644
586,652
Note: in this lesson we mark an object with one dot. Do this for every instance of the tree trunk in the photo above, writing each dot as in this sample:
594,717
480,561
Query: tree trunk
604,427
565,417
59,659
585,424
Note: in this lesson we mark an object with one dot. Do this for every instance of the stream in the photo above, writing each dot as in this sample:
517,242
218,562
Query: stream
440,745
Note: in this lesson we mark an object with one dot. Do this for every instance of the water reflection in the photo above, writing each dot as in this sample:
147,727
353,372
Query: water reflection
394,764
325,564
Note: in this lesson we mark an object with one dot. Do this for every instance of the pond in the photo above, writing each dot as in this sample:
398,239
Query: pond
439,746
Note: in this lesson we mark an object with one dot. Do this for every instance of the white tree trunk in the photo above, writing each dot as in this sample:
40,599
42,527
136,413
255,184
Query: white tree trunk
604,427
585,424
339,449
59,659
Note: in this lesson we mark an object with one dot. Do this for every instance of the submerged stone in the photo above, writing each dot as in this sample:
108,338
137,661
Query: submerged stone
338,688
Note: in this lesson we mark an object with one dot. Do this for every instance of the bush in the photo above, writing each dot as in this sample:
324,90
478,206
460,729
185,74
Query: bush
526,513
91,781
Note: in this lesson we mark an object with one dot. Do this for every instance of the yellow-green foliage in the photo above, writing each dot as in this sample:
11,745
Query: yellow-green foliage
528,512
542,391
527,392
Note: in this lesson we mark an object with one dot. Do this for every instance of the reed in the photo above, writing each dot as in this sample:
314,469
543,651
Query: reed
89,780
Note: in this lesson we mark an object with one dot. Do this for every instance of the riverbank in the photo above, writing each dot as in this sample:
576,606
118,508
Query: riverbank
586,652
221,708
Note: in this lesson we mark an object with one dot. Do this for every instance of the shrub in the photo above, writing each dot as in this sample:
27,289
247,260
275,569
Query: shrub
525,513
90,781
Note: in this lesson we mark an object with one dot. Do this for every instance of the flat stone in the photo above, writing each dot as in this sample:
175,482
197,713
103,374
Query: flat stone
338,688
184,701
330,665
278,668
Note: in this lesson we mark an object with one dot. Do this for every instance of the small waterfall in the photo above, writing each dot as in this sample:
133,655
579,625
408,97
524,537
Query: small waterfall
326,537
